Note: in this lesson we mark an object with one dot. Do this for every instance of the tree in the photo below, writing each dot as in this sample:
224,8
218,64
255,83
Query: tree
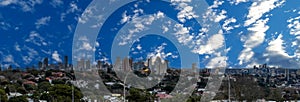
64,92
18,99
3,96
44,86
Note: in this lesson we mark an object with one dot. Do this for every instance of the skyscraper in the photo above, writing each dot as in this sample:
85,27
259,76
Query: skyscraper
126,65
88,64
194,68
158,65
40,65
80,64
99,64
66,62
45,63
118,64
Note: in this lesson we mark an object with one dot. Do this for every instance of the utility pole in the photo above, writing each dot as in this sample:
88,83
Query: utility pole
124,91
228,87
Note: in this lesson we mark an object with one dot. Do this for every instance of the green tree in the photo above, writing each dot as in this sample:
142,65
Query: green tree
44,86
3,96
64,92
18,99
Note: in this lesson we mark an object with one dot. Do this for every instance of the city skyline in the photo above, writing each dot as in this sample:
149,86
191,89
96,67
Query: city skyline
41,29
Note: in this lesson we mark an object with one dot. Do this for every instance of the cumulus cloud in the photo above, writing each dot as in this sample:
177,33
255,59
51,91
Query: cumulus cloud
36,39
236,2
139,47
255,37
87,46
56,3
159,52
217,62
213,43
212,14
186,13
30,55
294,28
17,47
183,34
56,56
7,2
27,6
259,8
8,58
139,24
276,47
294,25
226,25
42,21
256,34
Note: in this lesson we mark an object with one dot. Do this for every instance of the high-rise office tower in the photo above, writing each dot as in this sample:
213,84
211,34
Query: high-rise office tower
194,68
80,64
99,64
40,65
45,62
66,64
88,64
126,65
118,64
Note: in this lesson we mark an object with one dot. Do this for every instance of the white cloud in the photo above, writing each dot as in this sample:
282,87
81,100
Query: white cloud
217,62
256,34
214,14
236,2
255,37
139,24
8,58
276,47
245,56
17,47
56,56
165,29
159,52
220,16
36,39
31,55
226,25
139,47
294,26
27,6
42,21
182,34
213,43
56,3
186,13
7,2
125,18
87,46
259,8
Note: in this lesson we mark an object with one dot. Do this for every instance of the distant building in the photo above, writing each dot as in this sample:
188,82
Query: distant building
45,63
194,68
118,64
66,62
158,65
80,64
99,65
88,64
126,65
40,65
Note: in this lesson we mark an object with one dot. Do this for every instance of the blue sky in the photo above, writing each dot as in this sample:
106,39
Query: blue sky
232,33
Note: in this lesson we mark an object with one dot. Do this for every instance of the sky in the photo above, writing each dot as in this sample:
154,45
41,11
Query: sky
219,33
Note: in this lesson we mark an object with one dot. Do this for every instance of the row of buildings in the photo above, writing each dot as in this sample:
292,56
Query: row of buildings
156,65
